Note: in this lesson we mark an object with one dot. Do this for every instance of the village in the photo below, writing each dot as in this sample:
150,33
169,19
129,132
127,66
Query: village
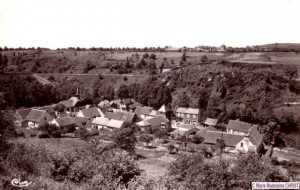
180,126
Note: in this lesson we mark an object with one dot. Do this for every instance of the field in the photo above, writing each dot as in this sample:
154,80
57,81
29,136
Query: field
154,162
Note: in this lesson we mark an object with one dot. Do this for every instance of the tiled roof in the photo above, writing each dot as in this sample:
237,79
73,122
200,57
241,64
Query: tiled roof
210,137
38,116
211,121
143,123
123,116
188,110
100,121
143,110
231,140
92,112
108,122
81,120
157,121
115,123
65,121
23,112
237,125
70,102
255,136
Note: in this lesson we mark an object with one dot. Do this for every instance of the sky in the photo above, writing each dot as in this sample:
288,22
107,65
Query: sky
151,23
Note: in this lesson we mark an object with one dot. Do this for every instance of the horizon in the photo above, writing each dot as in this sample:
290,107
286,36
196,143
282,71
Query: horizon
138,24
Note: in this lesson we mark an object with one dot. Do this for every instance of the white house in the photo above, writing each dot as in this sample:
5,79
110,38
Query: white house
187,115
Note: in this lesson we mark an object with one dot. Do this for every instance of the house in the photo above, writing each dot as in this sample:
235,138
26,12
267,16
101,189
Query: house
157,122
187,115
210,122
238,127
127,117
143,112
91,113
181,127
105,123
36,118
251,143
162,110
63,121
235,143
68,124
21,115
70,104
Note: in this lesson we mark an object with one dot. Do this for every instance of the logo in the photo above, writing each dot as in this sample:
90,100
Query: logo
18,183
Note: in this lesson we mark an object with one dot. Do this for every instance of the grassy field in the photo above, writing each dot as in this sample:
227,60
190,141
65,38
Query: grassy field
62,145
154,163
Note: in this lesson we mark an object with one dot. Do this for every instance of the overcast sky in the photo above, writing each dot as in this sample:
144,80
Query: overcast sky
86,23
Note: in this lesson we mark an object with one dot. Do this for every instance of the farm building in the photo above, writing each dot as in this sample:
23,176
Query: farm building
238,127
143,112
36,118
105,123
187,115
210,122
235,143
92,112
127,117
68,124
69,104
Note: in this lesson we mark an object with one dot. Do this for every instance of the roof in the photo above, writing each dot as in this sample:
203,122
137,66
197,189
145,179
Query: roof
100,121
143,123
65,121
231,140
162,109
92,112
38,116
187,110
210,137
185,126
255,136
211,121
157,121
23,112
104,103
145,110
115,123
237,125
70,102
108,122
81,120
122,116
154,113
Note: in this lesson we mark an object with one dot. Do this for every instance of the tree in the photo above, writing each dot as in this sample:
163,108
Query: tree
220,145
184,100
3,62
123,92
204,59
50,130
59,107
125,138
